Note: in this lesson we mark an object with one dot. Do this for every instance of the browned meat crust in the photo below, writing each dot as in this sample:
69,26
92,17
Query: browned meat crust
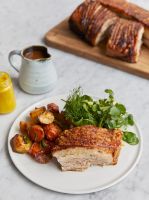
80,147
91,20
91,137
125,40
128,9
131,11
99,24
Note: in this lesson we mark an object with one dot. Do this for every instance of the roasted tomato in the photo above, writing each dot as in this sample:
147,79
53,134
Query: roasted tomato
37,152
35,113
20,143
52,131
36,133
36,148
46,117
47,146
53,108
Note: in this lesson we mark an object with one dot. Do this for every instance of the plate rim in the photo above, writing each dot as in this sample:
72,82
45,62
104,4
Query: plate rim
82,191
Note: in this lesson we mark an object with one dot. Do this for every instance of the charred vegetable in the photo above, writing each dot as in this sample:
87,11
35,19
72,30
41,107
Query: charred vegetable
36,133
25,125
20,143
38,153
35,113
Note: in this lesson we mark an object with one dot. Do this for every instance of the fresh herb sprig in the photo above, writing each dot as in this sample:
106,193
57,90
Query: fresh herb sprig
83,110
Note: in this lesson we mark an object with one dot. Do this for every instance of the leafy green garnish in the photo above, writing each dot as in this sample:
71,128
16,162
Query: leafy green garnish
26,139
43,143
77,108
130,138
82,110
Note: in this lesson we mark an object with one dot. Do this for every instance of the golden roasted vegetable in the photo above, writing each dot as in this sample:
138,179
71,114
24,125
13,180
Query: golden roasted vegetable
35,113
36,133
24,126
46,117
52,131
20,143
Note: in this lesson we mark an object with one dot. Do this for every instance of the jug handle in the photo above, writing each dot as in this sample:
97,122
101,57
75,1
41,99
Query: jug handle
10,58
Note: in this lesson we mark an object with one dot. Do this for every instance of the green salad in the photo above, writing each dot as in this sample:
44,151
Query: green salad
82,109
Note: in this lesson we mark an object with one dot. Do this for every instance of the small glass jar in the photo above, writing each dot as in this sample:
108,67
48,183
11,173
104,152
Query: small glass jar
7,97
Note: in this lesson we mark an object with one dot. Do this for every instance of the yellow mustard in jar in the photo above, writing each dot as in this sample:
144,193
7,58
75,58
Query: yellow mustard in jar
7,97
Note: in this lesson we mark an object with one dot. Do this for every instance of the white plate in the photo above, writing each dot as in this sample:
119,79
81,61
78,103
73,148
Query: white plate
94,179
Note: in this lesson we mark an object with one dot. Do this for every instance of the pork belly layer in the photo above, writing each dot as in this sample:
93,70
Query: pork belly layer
80,147
125,40
91,20
131,11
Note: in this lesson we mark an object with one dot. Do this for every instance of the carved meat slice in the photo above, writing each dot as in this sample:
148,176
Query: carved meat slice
131,11
91,20
125,40
80,147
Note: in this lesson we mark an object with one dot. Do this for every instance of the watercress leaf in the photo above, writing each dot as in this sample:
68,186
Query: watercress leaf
95,108
82,122
134,141
85,107
104,108
130,138
115,111
99,112
111,124
90,103
109,91
130,120
87,98
121,107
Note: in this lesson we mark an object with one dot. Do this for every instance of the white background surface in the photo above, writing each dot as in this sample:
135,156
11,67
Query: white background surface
24,23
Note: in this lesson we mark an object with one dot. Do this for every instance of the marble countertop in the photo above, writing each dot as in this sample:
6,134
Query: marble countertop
24,23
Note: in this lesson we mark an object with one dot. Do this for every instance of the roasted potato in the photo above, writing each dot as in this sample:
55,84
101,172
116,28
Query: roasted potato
46,117
35,113
36,133
52,131
24,126
53,108
36,151
20,143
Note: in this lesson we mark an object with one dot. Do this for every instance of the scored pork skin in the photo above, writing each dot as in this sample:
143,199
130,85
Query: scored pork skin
91,21
131,11
80,147
125,40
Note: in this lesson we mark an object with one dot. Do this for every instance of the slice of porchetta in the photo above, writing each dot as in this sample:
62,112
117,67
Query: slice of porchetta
78,148
125,40
92,21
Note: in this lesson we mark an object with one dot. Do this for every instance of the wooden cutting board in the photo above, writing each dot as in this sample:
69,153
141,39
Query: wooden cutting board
62,38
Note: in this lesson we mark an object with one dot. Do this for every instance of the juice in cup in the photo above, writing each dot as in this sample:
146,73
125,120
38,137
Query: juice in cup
7,97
